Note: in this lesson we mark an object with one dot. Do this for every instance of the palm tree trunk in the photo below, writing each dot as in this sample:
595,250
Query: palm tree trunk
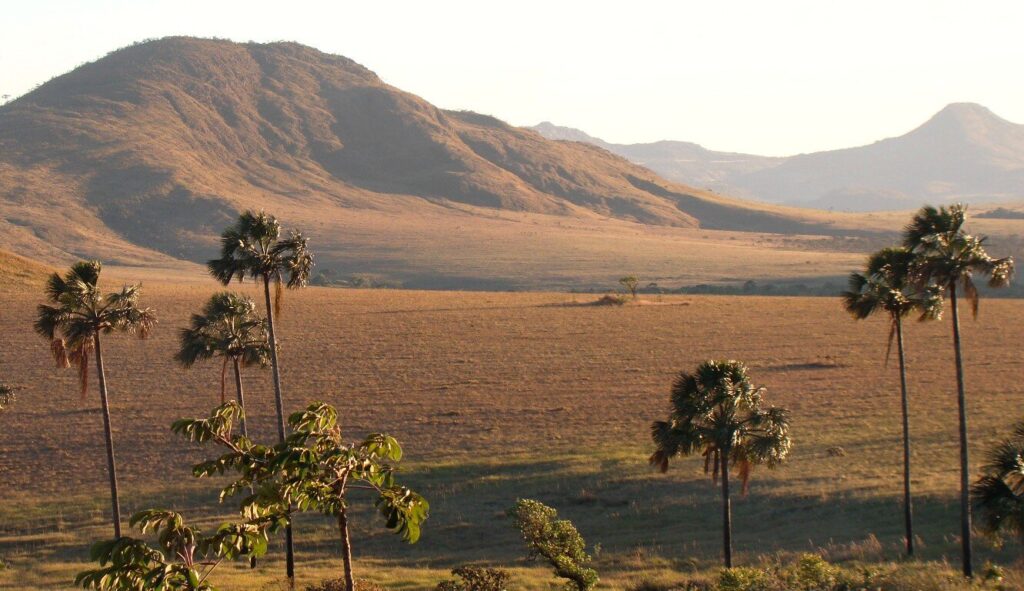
275,370
961,399
109,437
908,509
240,393
346,549
726,512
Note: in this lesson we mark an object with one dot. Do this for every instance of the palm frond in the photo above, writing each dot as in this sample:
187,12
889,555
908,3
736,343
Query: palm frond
79,356
930,221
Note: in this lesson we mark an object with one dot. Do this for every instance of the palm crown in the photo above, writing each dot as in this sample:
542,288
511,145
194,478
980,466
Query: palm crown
227,326
949,257
254,247
999,494
716,410
78,311
886,286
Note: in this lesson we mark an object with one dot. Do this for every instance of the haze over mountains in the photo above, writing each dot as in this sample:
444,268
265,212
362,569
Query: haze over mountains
963,153
143,156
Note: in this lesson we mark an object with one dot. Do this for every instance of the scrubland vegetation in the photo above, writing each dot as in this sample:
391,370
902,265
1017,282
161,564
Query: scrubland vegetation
508,398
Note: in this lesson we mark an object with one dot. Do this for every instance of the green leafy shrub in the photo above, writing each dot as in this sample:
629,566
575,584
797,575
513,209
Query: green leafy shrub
556,541
811,573
748,579
339,585
475,578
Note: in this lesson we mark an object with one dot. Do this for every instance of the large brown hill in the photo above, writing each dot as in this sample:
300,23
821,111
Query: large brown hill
142,156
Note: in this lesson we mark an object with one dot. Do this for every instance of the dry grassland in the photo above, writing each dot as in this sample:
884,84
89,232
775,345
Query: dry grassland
497,396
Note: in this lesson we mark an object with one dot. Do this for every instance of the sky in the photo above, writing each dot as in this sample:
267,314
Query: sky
768,77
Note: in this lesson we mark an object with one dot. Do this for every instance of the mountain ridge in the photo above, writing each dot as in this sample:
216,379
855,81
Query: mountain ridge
141,157
964,152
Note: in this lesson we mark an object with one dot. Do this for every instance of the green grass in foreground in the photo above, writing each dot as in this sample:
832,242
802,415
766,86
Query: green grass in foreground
641,526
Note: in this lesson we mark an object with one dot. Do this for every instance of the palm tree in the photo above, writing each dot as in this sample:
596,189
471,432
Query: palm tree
885,286
999,493
949,257
254,247
718,413
77,314
230,328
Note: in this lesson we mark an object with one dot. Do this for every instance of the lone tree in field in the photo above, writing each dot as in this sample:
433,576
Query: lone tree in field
630,283
999,493
77,314
228,327
313,470
718,413
949,257
556,541
886,287
254,247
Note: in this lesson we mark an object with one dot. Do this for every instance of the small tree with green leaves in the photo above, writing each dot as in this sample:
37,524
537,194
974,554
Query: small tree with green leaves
182,558
314,469
630,283
556,541
717,412
999,494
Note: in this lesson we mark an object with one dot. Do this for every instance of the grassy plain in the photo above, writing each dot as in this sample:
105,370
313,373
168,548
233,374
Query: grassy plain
497,396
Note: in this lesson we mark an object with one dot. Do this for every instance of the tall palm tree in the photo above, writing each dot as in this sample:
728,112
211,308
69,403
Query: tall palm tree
949,257
999,493
253,247
228,327
77,314
718,413
885,287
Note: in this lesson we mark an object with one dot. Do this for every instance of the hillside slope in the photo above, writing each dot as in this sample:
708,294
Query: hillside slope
142,156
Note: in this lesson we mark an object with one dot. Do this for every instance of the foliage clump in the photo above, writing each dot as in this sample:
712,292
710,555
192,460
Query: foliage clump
339,585
630,283
475,578
181,560
313,470
999,494
8,394
556,541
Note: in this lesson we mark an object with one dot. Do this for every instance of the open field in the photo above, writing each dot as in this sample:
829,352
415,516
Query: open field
496,396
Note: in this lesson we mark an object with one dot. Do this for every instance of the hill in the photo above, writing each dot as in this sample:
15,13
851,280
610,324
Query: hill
141,157
682,162
17,272
963,153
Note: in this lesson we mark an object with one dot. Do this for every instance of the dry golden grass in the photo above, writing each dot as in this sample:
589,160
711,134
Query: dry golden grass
18,272
497,396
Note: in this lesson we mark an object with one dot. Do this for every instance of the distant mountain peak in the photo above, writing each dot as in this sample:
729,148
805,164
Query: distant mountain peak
965,116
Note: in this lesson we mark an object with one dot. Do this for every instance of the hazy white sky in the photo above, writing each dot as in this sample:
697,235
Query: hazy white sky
769,77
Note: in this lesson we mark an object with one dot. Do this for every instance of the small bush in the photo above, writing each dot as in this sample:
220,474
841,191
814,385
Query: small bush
474,578
339,585
812,573
748,579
